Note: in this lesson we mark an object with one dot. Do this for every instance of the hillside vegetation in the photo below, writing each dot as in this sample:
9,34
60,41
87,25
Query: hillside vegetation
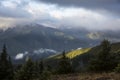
103,59
72,54
81,57
80,52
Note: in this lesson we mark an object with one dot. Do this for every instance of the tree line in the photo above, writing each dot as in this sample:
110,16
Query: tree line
104,61
30,70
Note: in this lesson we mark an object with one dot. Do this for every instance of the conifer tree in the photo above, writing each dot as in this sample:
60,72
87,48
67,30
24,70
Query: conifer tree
104,59
65,65
11,69
6,68
43,73
27,71
41,67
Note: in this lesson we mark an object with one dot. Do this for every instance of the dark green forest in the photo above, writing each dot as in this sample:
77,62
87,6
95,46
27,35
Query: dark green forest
103,61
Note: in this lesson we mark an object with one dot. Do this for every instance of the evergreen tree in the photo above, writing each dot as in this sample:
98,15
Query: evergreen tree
36,69
41,67
49,68
65,65
27,71
104,61
10,69
6,68
43,73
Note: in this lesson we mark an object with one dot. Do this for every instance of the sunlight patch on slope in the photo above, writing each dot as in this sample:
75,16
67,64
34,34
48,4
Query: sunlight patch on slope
77,52
72,54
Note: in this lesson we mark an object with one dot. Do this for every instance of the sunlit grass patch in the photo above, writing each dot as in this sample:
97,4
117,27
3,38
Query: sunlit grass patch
72,54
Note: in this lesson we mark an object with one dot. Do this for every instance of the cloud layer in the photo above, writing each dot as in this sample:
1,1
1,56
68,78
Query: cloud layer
80,2
111,5
38,52
89,14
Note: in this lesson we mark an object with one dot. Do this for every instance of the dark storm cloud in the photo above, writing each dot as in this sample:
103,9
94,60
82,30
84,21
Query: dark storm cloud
109,5
81,2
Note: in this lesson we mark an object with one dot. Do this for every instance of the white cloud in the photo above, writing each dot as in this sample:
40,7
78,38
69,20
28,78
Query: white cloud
11,22
19,56
26,52
9,4
41,51
57,16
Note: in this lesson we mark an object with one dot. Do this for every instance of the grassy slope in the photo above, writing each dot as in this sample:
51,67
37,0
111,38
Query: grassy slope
75,53
81,56
72,54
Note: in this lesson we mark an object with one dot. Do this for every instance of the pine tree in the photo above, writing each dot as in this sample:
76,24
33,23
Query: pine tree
41,67
6,68
27,71
65,65
104,59
10,68
42,72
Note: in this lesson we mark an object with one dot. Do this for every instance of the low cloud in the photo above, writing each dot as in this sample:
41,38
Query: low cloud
37,53
92,15
42,51
21,55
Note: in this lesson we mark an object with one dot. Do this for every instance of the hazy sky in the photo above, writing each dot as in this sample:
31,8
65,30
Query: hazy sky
90,14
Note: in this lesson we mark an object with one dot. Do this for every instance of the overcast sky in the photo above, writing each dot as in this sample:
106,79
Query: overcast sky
89,14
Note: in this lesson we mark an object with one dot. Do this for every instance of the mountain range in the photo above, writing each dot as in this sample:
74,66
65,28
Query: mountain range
35,37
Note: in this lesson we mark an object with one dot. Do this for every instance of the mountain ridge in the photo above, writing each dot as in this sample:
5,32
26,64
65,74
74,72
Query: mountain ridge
81,57
32,37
